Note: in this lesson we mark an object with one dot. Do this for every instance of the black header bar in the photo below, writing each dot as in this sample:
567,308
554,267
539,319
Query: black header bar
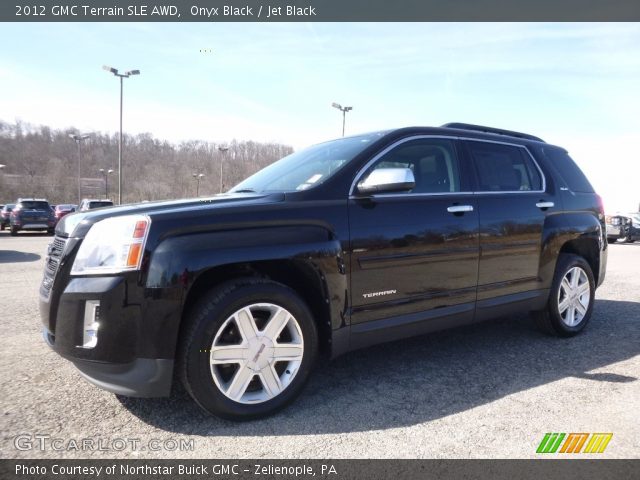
328,469
318,10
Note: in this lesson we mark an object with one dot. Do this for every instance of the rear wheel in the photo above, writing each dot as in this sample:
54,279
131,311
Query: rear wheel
571,298
248,350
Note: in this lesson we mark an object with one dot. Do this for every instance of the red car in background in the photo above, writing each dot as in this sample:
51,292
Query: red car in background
62,210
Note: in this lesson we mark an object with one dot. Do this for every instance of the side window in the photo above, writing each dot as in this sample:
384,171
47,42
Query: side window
503,168
433,162
575,178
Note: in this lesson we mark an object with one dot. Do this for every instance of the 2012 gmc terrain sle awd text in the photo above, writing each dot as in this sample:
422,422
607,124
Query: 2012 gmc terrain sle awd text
343,245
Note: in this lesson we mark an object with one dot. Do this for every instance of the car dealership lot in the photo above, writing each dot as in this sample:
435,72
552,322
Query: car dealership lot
488,390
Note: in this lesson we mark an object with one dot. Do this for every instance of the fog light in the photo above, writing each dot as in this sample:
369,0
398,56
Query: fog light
91,324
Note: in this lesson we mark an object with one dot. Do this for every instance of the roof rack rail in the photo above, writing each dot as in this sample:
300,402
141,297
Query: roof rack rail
497,131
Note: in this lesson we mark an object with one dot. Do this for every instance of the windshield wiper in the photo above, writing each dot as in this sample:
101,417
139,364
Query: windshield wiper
244,190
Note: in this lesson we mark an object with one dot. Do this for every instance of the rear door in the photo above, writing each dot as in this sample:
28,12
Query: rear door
415,251
512,205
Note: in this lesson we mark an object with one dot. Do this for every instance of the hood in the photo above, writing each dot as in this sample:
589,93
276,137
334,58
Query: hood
78,224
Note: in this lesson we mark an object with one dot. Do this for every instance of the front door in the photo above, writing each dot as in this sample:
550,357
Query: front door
414,255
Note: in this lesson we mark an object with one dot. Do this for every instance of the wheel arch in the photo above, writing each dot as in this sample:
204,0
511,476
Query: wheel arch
587,248
301,276
306,258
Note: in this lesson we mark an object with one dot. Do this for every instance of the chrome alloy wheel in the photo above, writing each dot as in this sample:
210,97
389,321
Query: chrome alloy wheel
256,353
574,296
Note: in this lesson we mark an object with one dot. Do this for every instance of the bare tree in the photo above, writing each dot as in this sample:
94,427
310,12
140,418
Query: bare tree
42,162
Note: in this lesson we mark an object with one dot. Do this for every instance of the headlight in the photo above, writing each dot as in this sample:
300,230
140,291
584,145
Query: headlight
112,245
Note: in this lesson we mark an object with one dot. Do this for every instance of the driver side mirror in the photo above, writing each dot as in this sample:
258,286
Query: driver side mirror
387,180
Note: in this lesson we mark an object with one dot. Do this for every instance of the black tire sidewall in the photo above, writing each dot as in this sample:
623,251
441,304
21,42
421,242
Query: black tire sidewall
198,377
565,263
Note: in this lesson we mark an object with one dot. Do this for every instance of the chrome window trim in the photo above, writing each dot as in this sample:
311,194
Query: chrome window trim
542,177
443,137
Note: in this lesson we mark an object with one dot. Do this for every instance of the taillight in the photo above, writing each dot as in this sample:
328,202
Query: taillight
600,205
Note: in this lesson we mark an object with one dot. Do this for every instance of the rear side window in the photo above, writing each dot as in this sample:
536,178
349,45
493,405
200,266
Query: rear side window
569,171
503,168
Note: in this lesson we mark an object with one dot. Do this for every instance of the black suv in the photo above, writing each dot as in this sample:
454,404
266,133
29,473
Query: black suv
340,246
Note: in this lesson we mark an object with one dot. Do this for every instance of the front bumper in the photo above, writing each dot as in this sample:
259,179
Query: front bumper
143,377
116,362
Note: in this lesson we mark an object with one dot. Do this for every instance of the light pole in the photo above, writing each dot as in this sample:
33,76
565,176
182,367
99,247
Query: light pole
126,74
79,138
344,111
223,149
105,174
198,177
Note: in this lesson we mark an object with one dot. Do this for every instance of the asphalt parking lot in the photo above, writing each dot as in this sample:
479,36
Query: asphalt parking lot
488,390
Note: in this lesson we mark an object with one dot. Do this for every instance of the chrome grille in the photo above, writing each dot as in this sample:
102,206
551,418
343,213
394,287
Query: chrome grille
52,263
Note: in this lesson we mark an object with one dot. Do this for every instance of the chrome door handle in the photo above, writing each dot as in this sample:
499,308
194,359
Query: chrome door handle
460,208
544,204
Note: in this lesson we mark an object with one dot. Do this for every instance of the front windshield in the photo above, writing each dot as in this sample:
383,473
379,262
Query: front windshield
306,168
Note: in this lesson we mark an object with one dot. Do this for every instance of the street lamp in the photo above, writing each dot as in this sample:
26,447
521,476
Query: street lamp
198,177
126,74
105,174
223,149
79,138
344,111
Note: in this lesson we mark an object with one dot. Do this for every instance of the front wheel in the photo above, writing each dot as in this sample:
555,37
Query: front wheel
571,298
248,350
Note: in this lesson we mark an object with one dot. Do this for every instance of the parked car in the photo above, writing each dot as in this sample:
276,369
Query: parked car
63,209
343,245
32,214
5,213
91,203
624,228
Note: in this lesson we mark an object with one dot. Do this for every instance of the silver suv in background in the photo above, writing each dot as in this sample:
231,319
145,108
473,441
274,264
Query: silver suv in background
91,203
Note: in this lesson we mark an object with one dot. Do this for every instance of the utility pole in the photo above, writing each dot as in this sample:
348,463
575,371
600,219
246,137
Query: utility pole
79,138
122,76
223,149
344,111
105,174
198,177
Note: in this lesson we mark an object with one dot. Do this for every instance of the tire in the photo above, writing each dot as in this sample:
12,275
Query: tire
2,227
611,239
51,231
14,231
236,389
572,319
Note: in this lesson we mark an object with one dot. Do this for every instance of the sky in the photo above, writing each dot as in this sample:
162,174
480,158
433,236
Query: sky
576,85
